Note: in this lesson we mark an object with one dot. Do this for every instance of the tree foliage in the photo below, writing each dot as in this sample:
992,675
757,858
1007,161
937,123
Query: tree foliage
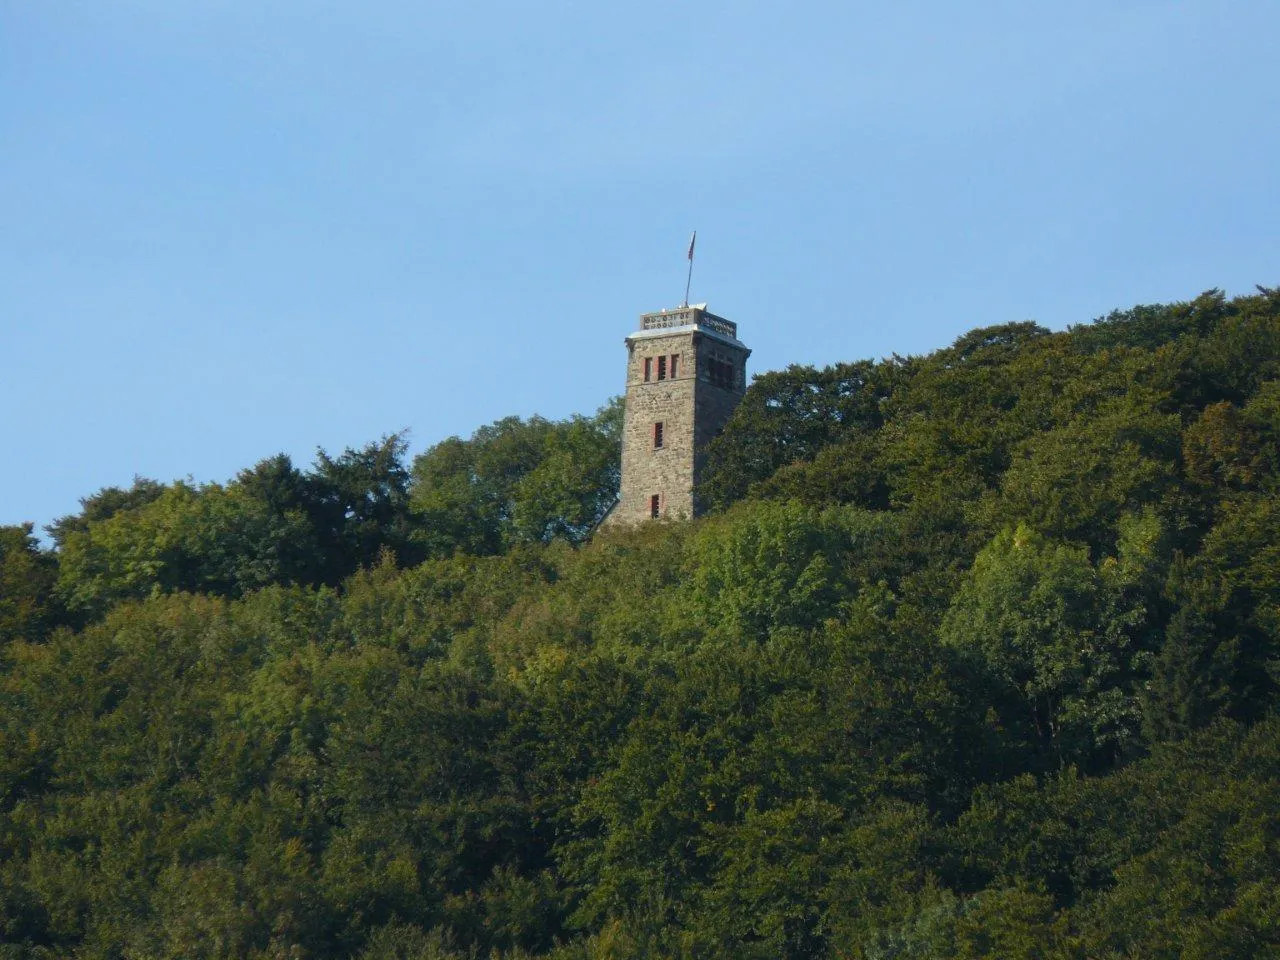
976,657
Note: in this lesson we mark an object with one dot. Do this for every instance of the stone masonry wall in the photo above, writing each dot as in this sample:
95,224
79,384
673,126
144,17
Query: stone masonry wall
645,471
714,405
692,410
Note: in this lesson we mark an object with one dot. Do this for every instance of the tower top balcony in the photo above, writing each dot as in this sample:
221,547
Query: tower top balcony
694,317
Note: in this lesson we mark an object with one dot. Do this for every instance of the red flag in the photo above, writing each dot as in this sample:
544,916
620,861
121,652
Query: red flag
692,241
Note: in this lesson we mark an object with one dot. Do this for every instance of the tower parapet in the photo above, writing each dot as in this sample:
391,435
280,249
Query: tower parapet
696,316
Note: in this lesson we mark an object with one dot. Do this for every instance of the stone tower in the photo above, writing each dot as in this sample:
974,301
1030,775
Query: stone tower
686,372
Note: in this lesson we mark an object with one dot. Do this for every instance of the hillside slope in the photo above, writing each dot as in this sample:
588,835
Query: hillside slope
977,657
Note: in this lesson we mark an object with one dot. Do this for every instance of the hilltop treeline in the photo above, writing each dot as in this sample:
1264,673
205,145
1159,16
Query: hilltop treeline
977,656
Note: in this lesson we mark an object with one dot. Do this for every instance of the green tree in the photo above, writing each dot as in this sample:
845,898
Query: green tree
788,416
575,482
518,481
1233,584
211,539
1077,481
27,578
1036,615
103,505
1191,676
771,565
361,507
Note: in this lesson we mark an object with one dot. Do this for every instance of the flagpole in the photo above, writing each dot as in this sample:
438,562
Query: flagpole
689,278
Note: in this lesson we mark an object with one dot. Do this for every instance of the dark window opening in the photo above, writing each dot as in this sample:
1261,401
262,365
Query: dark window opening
662,367
675,363
657,435
721,373
648,368
655,505
717,373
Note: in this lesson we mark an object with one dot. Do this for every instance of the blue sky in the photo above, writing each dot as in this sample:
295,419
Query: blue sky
230,229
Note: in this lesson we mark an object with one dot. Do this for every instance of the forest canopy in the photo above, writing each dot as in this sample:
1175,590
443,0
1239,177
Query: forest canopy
976,655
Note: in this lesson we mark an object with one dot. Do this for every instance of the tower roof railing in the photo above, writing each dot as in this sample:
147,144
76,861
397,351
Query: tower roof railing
696,315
